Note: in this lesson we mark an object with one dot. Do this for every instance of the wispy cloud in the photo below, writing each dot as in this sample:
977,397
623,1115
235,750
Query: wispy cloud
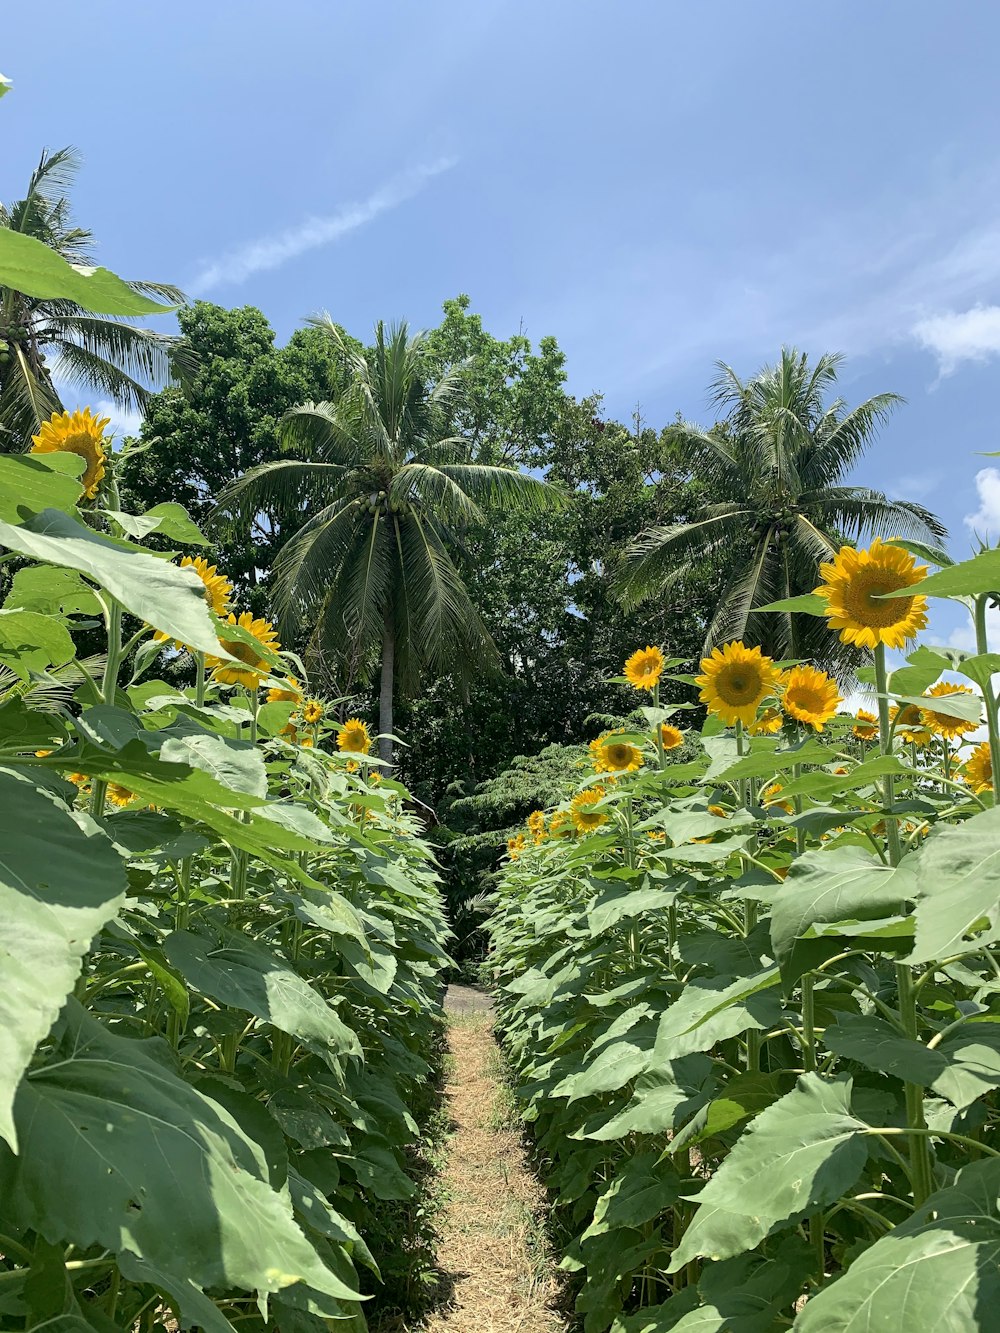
270,252
954,337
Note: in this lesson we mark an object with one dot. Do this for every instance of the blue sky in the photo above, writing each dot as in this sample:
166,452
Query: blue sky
658,184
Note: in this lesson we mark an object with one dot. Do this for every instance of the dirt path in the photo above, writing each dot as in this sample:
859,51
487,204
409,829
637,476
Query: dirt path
492,1251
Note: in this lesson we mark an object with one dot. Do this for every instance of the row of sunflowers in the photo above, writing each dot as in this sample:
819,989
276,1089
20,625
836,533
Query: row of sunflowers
219,973
752,997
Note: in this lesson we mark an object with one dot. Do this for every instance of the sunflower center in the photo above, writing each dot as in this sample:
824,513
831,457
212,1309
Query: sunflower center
737,685
863,603
806,700
618,754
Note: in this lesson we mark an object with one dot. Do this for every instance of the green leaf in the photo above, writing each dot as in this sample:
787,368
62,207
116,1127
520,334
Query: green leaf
30,483
799,1155
969,578
644,1187
876,1044
808,604
972,1054
618,1063
770,755
823,786
967,707
980,669
711,1009
618,903
31,642
845,883
120,1153
59,884
174,521
236,765
163,595
238,971
925,666
55,591
661,1098
743,1097
29,266
958,885
937,1272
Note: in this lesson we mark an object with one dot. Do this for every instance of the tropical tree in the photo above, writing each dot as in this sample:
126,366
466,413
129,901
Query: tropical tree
385,491
42,336
777,504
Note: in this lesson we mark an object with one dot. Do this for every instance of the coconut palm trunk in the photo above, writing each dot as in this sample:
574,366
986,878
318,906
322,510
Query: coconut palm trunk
386,684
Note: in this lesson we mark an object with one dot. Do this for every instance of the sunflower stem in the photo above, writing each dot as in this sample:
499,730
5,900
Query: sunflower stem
921,1176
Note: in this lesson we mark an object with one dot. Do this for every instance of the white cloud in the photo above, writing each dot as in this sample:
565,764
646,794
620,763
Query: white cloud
957,336
124,420
986,519
270,252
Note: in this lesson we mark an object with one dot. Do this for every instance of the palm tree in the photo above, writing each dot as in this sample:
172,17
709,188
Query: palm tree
384,490
39,336
775,469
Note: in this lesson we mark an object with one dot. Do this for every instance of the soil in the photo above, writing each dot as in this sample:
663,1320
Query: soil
497,1274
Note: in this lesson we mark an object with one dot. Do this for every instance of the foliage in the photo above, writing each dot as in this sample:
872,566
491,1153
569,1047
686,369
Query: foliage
55,312
218,979
776,498
754,1014
223,422
382,488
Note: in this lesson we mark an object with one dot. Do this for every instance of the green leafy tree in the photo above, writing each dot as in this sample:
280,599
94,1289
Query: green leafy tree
776,503
42,335
201,436
385,491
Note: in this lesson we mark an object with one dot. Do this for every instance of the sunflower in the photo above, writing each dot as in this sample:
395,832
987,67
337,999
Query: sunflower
854,582
288,692
810,696
218,590
560,824
941,724
536,825
644,668
582,812
718,811
865,725
78,779
734,681
43,754
908,722
515,846
290,733
978,768
353,736
312,711
119,795
254,664
307,742
612,755
77,433
657,835
670,737
771,797
768,723
352,766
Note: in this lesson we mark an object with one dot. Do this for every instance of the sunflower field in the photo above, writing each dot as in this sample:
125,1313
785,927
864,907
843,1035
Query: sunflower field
752,1000
222,938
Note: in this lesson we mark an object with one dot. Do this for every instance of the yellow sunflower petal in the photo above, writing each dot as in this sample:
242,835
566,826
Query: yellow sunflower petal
255,665
353,737
79,433
810,696
644,668
853,587
734,681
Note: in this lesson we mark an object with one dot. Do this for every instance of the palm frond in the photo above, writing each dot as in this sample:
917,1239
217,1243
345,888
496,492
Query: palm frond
660,553
282,483
841,440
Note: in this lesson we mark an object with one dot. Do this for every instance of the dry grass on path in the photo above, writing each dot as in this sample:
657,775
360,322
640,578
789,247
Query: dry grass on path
492,1254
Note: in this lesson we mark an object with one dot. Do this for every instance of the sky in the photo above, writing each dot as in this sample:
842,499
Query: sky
658,184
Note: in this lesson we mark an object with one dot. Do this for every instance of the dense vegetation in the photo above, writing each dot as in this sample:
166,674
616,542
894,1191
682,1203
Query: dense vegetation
751,997
744,943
